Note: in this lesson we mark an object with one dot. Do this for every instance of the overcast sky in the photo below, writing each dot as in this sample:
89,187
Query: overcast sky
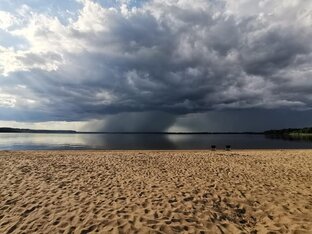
158,65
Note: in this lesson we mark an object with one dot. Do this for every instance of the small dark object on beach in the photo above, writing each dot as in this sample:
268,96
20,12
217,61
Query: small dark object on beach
213,147
227,147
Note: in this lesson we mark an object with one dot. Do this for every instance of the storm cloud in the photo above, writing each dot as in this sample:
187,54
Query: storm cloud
163,59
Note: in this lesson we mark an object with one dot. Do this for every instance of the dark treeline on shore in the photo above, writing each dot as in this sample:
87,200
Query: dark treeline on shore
289,131
21,130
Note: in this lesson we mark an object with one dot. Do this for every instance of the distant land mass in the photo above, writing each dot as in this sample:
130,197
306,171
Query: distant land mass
285,132
173,133
290,131
21,130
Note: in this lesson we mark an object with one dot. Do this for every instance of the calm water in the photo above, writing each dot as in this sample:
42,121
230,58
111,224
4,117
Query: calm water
20,141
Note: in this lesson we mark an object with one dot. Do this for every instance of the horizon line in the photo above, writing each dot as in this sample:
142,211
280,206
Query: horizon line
26,130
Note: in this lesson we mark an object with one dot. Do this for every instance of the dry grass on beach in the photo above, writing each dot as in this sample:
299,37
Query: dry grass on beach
156,191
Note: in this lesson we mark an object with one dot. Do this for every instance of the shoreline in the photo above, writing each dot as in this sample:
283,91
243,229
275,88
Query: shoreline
222,151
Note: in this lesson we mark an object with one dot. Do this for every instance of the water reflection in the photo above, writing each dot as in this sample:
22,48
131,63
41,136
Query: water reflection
128,141
20,141
295,137
237,141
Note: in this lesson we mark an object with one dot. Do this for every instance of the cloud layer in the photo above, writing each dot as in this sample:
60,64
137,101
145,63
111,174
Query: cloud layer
175,56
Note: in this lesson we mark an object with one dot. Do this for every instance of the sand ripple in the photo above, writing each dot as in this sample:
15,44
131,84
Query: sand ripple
156,192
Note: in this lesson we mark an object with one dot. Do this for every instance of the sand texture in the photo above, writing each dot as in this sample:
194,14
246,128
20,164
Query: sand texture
156,191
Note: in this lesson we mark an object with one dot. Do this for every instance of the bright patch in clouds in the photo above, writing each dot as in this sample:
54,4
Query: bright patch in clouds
7,100
6,20
90,60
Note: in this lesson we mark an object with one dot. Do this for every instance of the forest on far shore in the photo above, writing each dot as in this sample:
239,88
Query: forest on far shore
290,131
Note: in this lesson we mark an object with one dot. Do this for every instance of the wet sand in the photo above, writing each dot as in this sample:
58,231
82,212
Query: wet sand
156,191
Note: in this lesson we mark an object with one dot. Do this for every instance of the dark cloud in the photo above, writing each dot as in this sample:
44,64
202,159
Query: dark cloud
163,60
132,122
243,120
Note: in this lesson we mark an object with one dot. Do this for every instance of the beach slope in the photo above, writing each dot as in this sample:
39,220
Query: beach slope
156,191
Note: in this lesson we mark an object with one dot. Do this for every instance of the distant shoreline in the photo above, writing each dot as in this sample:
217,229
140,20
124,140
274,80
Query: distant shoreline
17,130
22,130
282,132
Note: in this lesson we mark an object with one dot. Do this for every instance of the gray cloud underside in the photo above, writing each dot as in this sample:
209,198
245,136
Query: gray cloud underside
177,58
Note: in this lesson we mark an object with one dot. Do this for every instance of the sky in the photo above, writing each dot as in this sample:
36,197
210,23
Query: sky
156,65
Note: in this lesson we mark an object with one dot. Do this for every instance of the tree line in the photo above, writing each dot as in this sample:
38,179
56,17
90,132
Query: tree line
288,131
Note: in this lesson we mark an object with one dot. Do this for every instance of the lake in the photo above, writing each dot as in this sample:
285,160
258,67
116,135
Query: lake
35,141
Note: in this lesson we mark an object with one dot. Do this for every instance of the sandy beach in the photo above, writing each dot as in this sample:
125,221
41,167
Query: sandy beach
156,191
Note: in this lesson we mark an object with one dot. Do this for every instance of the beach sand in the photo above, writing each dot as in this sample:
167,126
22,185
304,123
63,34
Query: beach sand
156,191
